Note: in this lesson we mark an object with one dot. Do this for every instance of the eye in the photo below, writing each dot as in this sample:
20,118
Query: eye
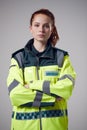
36,25
46,26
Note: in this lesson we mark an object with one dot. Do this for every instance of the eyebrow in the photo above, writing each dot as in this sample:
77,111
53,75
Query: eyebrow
39,23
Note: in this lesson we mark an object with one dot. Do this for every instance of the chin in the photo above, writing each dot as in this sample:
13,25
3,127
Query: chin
41,40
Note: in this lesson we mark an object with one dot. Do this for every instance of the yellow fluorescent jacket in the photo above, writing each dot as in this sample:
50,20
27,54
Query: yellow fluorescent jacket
44,105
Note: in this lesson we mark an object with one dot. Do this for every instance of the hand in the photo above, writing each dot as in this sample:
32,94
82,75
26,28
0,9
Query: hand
58,99
26,86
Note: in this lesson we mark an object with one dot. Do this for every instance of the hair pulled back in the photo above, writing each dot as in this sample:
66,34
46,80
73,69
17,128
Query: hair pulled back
54,36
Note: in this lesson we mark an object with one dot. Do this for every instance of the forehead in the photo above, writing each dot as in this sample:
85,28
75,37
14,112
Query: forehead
42,18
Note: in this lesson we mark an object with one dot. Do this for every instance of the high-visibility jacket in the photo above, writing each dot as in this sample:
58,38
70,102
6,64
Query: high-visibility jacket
51,78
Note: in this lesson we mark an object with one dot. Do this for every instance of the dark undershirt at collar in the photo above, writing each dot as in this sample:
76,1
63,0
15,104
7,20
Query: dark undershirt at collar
36,52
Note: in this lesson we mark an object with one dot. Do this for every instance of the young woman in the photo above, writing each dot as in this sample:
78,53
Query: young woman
41,79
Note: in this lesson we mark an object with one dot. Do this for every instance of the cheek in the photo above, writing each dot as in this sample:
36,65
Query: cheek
49,30
49,33
32,31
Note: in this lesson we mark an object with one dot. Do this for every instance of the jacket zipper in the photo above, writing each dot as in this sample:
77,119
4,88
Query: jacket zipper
37,69
40,118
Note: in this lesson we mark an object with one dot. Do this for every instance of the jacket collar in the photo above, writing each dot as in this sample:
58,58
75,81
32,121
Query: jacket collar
48,53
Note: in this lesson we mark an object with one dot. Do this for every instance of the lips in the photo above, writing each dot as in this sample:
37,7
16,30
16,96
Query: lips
41,35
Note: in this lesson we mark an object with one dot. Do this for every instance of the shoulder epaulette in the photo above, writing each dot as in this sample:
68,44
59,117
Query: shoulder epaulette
18,51
19,56
63,51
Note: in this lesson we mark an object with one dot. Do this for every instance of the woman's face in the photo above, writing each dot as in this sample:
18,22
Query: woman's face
41,27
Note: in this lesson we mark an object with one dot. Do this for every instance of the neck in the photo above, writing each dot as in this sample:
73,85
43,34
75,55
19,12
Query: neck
40,46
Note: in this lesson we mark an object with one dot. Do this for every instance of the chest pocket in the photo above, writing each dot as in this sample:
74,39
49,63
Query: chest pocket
50,73
30,74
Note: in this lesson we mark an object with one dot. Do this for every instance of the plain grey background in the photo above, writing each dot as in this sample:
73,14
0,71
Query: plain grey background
71,20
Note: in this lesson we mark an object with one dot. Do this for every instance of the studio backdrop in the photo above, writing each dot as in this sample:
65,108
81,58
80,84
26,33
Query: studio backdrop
71,23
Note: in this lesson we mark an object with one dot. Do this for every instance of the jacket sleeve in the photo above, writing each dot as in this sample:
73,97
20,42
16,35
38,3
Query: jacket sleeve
63,87
19,95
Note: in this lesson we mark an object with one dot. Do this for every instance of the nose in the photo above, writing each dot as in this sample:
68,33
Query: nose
41,28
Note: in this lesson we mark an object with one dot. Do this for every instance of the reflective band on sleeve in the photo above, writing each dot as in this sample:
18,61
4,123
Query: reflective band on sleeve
37,100
19,58
69,77
46,87
60,58
43,114
13,85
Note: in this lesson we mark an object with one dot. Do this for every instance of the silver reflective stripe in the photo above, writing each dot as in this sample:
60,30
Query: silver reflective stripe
60,58
69,77
37,100
19,58
46,87
13,85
